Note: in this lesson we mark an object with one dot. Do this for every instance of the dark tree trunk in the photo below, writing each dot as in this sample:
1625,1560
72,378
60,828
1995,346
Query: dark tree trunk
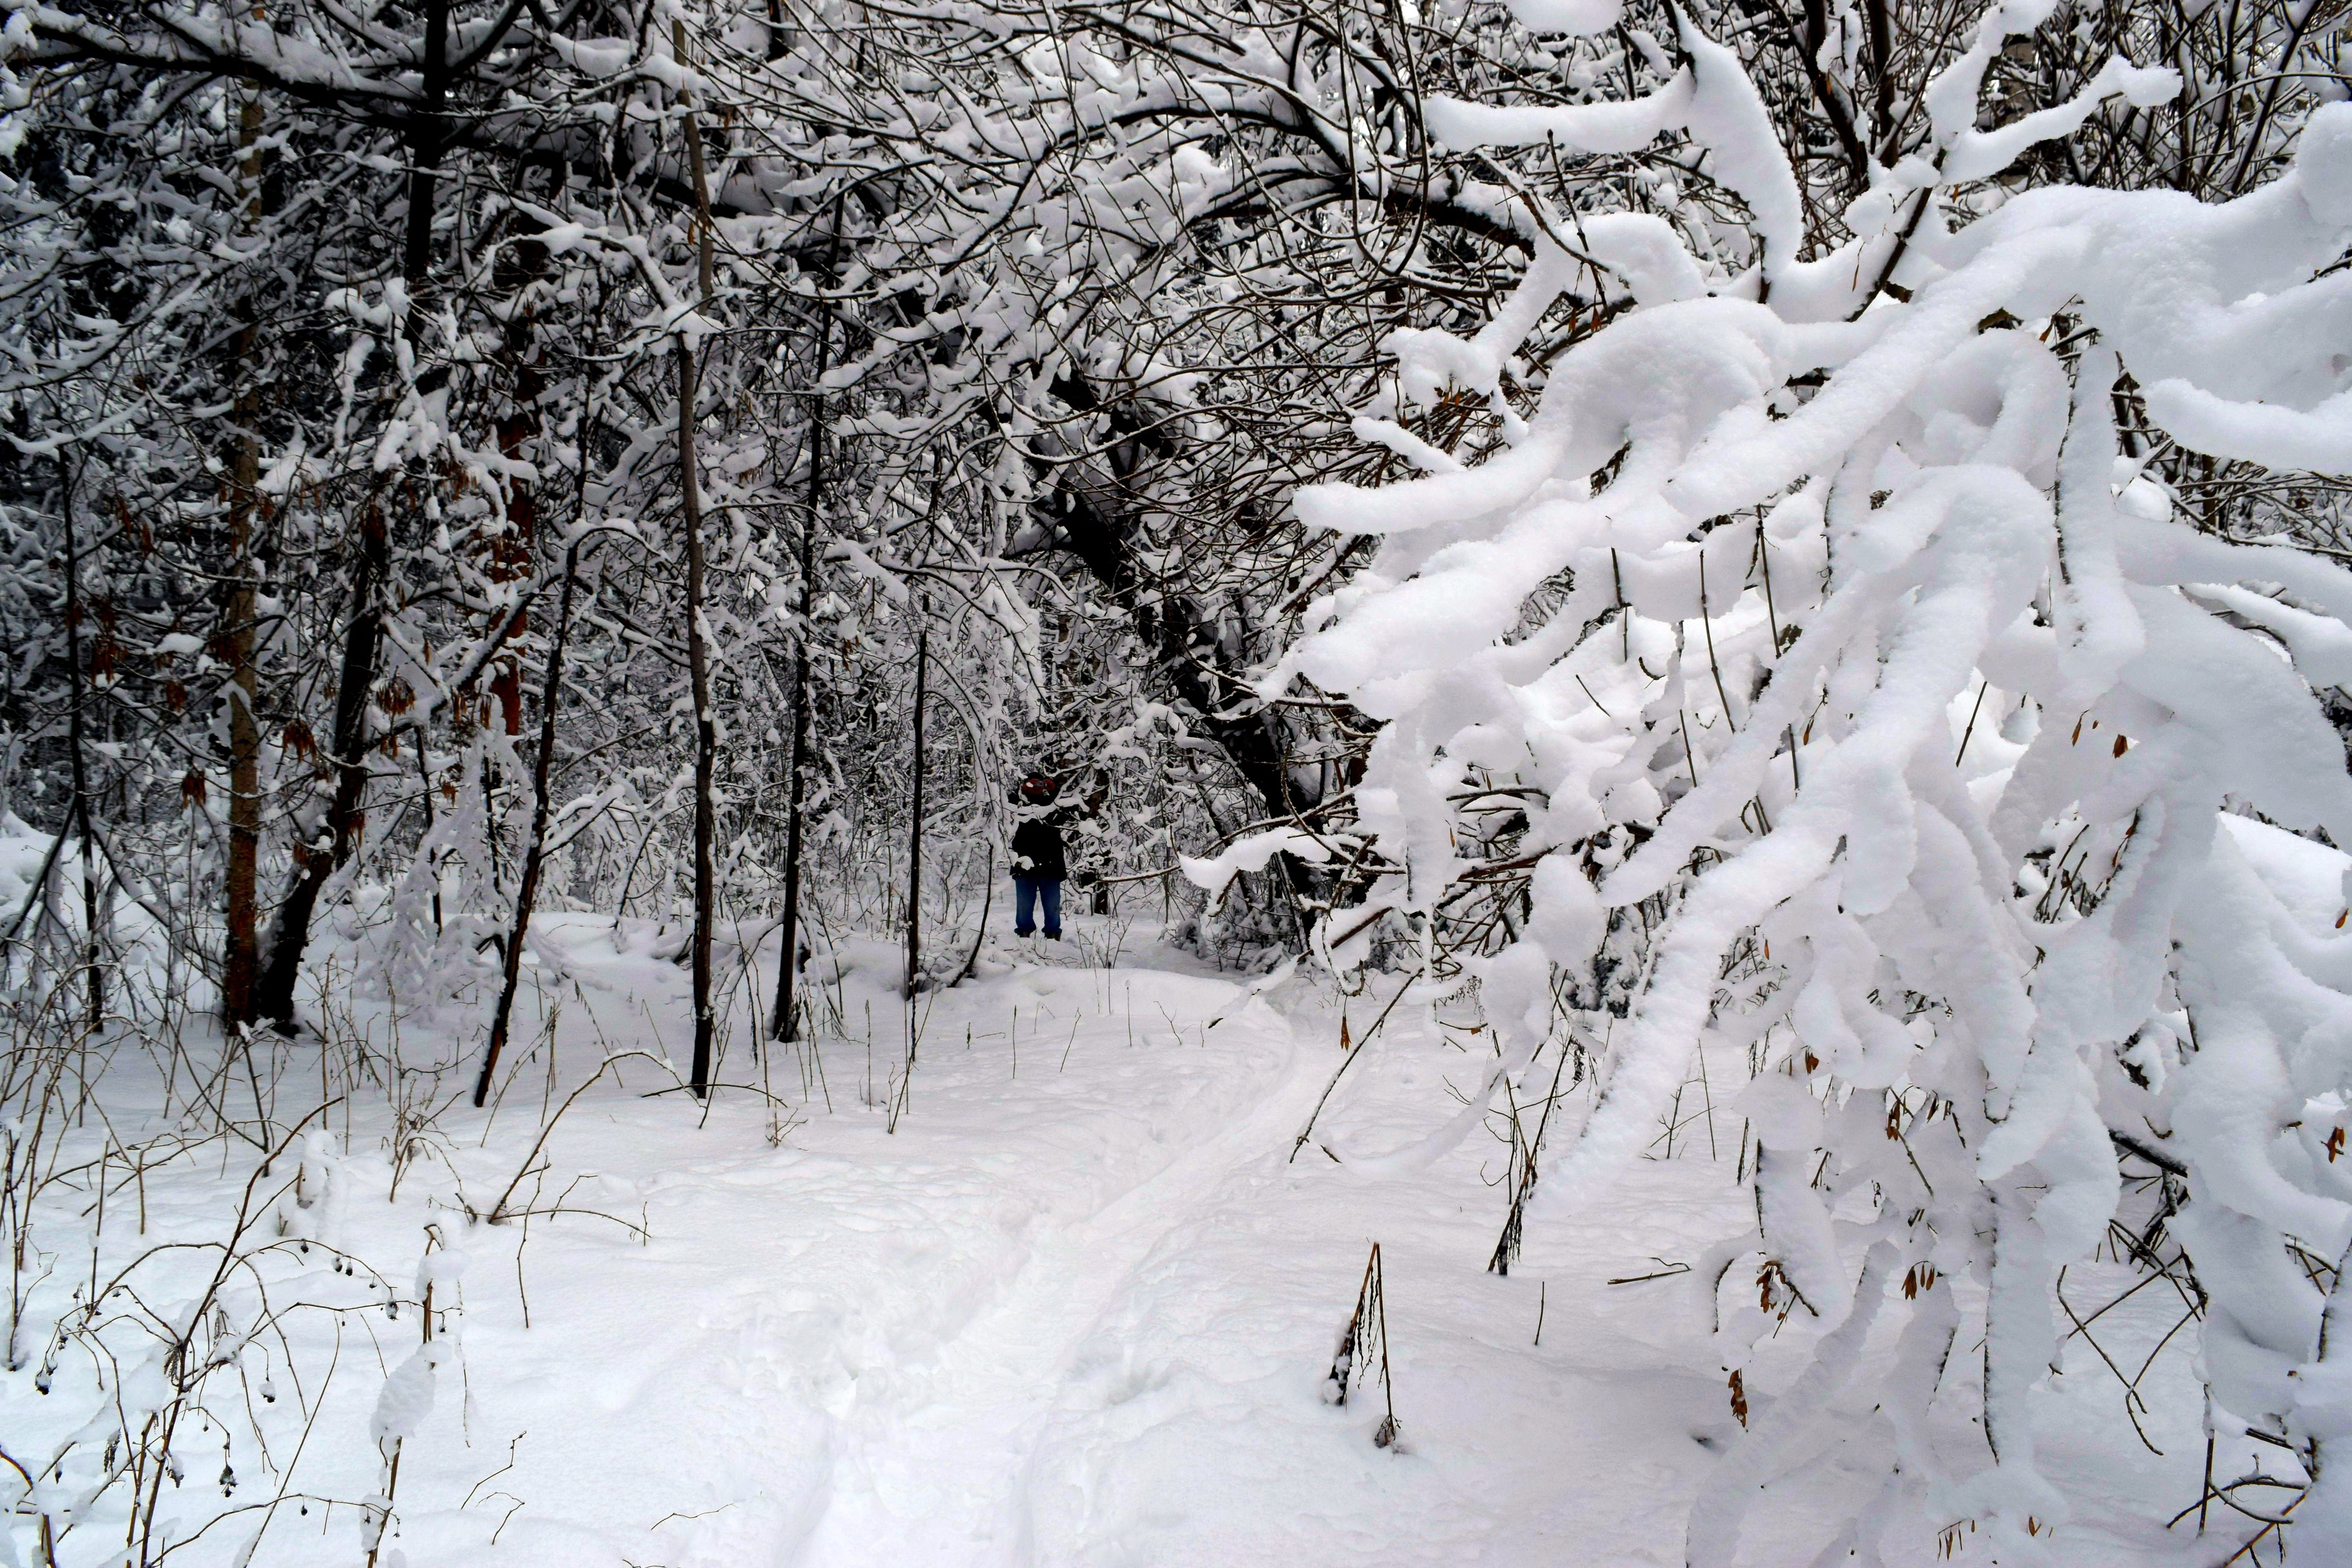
363,638
1882,70
915,832
1185,640
705,728
527,894
241,944
520,263
426,138
78,736
1186,649
783,1023
1179,635
314,862
698,650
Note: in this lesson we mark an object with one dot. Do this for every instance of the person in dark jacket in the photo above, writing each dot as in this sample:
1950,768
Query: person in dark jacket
1038,863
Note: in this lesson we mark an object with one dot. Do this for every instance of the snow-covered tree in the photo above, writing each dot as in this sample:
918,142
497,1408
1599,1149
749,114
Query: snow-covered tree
1852,689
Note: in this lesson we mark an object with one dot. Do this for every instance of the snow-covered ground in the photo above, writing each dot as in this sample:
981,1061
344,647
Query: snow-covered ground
1077,1308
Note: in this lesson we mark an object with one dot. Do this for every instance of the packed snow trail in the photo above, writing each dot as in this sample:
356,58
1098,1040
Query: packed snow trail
936,1464
912,1304
1075,1311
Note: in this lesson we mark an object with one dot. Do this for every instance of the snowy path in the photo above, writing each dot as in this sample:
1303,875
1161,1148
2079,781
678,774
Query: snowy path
875,1346
1075,1311
940,1468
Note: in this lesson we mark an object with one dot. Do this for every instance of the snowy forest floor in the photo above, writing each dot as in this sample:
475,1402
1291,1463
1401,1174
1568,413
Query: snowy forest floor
1077,1308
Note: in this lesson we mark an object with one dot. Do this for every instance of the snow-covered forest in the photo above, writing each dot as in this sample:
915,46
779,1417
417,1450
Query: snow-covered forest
1696,652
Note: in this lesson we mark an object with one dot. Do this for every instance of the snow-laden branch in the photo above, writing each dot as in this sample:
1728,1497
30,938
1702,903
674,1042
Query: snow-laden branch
1862,658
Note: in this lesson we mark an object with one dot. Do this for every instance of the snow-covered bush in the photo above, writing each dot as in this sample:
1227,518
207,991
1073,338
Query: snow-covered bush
174,1357
1858,687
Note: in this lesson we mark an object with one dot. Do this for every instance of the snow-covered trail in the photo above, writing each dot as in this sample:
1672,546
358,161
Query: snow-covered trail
938,1464
868,1335
1077,1309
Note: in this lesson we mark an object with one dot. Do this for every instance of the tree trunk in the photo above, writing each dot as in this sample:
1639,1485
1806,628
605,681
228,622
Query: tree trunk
77,736
426,136
520,263
241,943
527,894
706,726
915,834
313,862
1183,639
363,638
698,650
1253,736
1252,741
783,1023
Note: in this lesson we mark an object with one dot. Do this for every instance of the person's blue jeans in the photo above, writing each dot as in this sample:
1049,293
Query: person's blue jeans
1028,892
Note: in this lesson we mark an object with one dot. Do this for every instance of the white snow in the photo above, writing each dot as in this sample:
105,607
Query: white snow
1077,1308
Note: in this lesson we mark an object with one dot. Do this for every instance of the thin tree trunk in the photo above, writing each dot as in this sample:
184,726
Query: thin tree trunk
698,650
706,729
363,638
1882,68
527,894
915,834
241,943
520,263
425,138
782,1025
76,735
274,994
914,878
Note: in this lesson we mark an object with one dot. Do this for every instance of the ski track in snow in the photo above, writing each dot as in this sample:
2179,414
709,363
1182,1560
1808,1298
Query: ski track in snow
967,1433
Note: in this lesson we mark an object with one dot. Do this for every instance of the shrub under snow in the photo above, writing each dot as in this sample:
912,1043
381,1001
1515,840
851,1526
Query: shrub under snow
1838,631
